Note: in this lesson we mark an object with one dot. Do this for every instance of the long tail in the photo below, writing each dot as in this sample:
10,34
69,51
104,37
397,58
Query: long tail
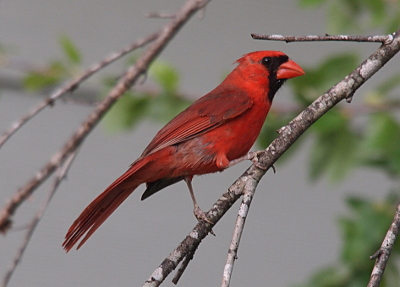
102,207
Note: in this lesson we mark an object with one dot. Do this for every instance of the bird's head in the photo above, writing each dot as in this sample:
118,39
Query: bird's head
268,68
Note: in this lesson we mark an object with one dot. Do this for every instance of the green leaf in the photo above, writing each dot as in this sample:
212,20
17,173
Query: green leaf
339,18
389,84
364,230
360,16
391,277
319,79
35,81
311,3
335,147
377,9
381,146
356,203
331,276
165,75
47,77
393,23
167,106
268,132
70,50
155,104
127,112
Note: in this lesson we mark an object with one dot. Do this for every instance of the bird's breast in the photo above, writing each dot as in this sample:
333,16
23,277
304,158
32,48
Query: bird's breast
199,155
232,139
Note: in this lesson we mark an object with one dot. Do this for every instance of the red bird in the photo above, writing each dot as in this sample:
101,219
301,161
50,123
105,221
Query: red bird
214,131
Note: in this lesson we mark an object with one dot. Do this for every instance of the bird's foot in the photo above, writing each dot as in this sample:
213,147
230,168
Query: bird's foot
200,215
248,156
253,156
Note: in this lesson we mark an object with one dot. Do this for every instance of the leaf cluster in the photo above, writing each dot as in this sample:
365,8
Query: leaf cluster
159,103
365,135
358,16
361,233
57,70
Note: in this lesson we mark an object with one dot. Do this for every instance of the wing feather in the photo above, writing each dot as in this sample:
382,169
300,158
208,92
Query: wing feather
209,112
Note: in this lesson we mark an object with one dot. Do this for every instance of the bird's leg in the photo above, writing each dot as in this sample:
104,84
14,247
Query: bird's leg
253,156
248,156
198,213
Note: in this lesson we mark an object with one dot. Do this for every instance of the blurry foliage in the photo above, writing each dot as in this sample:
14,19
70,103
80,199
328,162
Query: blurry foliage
161,103
339,143
359,16
334,150
381,145
318,78
362,232
57,70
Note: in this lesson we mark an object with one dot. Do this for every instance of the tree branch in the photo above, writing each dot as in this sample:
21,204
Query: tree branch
62,173
248,193
130,77
199,232
160,15
384,39
73,85
288,134
382,255
184,264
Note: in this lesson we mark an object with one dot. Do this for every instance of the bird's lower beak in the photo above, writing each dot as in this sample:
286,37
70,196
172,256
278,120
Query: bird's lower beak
288,70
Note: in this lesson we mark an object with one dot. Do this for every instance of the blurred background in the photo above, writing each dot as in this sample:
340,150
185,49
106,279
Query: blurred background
313,223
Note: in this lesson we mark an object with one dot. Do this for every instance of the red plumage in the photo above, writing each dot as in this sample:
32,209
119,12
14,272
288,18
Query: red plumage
216,129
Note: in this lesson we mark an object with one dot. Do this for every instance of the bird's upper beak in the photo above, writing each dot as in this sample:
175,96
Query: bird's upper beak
288,70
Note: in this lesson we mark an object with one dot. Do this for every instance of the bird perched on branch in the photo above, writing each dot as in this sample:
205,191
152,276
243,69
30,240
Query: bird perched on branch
210,135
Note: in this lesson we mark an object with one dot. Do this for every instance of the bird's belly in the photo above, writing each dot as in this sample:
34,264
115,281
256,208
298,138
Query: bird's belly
199,155
235,138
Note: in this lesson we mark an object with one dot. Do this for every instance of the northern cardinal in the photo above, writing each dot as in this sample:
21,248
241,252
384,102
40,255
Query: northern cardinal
207,137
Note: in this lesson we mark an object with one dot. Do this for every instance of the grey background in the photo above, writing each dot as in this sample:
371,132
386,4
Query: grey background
291,228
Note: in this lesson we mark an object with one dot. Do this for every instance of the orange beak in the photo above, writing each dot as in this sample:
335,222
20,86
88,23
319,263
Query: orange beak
288,70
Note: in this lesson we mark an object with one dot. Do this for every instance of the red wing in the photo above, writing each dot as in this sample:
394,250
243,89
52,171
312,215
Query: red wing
206,113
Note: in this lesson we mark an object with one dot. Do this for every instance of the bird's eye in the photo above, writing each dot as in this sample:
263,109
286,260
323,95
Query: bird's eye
266,61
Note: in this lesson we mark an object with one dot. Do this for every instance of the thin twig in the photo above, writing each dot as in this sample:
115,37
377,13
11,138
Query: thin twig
382,255
287,136
184,264
384,39
73,84
160,15
248,193
62,172
131,76
199,232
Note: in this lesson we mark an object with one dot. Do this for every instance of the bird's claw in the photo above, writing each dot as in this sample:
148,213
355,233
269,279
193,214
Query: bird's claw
253,155
201,216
